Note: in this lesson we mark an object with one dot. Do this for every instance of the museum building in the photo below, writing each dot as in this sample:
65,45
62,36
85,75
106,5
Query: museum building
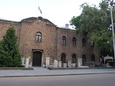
44,44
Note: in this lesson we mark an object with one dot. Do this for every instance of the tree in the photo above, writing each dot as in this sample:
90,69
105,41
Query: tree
95,22
9,51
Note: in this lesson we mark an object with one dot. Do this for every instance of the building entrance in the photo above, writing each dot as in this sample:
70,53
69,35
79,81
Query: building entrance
37,58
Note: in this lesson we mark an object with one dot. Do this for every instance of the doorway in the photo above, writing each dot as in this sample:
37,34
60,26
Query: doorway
37,58
83,60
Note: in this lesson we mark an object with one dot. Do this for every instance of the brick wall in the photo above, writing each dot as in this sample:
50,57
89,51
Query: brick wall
51,39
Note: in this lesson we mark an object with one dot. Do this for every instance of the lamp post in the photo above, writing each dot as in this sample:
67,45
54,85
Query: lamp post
111,4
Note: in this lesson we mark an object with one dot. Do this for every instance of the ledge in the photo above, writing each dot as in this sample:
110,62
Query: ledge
81,68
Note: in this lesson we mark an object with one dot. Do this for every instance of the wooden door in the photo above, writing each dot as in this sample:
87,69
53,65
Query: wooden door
37,58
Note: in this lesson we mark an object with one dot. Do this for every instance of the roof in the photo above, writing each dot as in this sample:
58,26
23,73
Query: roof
8,20
31,19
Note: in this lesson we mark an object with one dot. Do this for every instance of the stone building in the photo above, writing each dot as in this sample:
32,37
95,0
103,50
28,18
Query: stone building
45,44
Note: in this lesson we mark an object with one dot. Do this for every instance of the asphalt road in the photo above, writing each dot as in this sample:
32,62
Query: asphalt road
73,80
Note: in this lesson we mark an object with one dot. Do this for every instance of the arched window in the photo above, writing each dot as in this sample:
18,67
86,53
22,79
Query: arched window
63,58
38,37
63,40
93,58
74,41
83,42
83,59
74,60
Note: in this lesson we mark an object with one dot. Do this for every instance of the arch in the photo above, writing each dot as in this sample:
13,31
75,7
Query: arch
74,41
38,37
83,59
83,42
74,59
63,40
63,58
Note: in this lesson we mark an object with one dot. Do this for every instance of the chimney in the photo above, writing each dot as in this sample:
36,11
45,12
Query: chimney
67,26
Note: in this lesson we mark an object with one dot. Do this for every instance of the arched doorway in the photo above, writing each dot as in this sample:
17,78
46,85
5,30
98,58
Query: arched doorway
37,58
74,59
83,60
63,59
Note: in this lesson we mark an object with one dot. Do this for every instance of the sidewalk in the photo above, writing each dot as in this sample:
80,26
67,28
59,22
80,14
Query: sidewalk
39,71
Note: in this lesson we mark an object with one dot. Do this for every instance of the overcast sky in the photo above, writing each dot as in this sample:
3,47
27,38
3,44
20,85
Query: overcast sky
59,12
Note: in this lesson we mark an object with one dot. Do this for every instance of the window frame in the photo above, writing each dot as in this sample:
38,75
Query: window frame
74,41
63,40
38,37
74,58
83,42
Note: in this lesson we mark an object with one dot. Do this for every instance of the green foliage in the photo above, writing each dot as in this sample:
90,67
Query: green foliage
9,52
95,22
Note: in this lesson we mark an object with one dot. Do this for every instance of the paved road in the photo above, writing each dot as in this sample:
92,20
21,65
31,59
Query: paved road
73,80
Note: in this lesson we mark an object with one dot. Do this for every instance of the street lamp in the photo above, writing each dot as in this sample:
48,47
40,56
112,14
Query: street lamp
111,5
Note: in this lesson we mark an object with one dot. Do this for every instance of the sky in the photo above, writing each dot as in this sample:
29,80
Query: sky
59,12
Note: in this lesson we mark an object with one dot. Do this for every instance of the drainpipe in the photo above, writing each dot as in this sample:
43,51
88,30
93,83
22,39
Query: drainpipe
56,48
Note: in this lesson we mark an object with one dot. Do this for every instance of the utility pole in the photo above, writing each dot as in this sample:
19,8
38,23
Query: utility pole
111,4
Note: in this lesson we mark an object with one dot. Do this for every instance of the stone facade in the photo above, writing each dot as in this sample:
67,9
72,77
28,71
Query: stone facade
52,45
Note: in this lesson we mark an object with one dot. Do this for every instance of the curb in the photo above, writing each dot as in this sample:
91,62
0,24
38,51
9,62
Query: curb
54,75
15,68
